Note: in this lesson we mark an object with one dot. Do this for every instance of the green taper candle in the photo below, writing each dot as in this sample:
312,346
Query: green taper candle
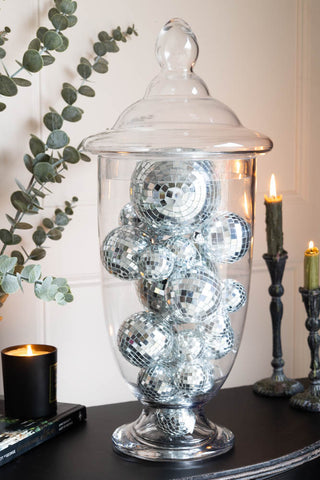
311,267
273,205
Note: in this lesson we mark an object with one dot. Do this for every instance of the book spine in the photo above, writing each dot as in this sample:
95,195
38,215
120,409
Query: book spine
52,429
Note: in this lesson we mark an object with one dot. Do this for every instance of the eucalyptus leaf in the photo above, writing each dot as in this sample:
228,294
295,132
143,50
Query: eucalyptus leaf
31,273
5,236
52,40
21,82
39,237
35,44
41,33
68,211
28,162
69,95
48,223
32,61
100,66
117,35
10,284
66,6
20,185
85,157
104,36
3,106
53,121
100,48
37,254
7,86
57,139
2,53
10,219
53,11
41,157
42,289
84,70
111,46
54,234
68,297
18,255
38,192
23,226
87,91
71,114
64,45
71,155
7,264
36,145
59,21
44,172
16,239
48,60
72,20
85,61
62,219
24,203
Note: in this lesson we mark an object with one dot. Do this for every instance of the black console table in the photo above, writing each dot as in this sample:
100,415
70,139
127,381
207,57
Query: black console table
272,440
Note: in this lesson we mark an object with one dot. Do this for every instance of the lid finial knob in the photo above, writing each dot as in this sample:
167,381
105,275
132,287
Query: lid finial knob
177,47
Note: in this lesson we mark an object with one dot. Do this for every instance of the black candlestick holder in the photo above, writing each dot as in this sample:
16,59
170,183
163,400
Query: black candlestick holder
278,385
310,399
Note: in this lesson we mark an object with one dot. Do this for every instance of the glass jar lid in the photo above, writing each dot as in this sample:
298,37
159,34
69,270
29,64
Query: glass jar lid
177,115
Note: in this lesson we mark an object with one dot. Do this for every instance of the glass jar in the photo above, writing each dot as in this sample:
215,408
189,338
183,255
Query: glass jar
176,208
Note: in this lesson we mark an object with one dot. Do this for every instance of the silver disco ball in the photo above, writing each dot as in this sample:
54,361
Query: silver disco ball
175,196
234,295
218,335
144,338
156,383
121,249
193,294
226,238
156,263
152,295
185,251
194,378
128,216
187,344
175,421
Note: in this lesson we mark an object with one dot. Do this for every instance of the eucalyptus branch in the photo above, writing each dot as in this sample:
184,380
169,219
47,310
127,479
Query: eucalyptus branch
39,50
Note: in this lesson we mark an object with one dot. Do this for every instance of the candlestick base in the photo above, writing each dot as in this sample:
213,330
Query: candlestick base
308,400
278,385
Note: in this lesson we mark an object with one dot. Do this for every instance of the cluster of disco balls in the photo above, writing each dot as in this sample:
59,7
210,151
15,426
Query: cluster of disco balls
170,240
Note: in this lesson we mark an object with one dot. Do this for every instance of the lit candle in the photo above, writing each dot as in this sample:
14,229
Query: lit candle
273,205
311,267
29,380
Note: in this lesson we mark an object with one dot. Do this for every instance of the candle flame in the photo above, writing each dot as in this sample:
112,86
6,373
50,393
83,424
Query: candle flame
311,244
273,191
29,351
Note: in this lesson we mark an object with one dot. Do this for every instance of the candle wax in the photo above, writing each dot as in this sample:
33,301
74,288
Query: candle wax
23,352
274,224
311,268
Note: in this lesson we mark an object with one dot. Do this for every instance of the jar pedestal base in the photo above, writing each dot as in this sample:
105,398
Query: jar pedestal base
143,439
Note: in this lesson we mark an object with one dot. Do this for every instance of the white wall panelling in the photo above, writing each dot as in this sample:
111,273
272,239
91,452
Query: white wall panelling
258,56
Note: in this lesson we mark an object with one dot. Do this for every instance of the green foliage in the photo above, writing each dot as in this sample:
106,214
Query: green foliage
49,158
38,54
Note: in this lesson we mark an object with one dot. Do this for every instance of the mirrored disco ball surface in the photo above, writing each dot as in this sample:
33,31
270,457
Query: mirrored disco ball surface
152,295
233,294
175,422
185,251
187,344
156,262
175,195
156,383
120,251
144,337
128,216
226,239
194,378
194,294
218,346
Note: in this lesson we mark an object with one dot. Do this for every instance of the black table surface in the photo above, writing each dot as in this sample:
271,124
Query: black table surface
266,430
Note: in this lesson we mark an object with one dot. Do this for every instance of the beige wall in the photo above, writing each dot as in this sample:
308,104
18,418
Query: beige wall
261,57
